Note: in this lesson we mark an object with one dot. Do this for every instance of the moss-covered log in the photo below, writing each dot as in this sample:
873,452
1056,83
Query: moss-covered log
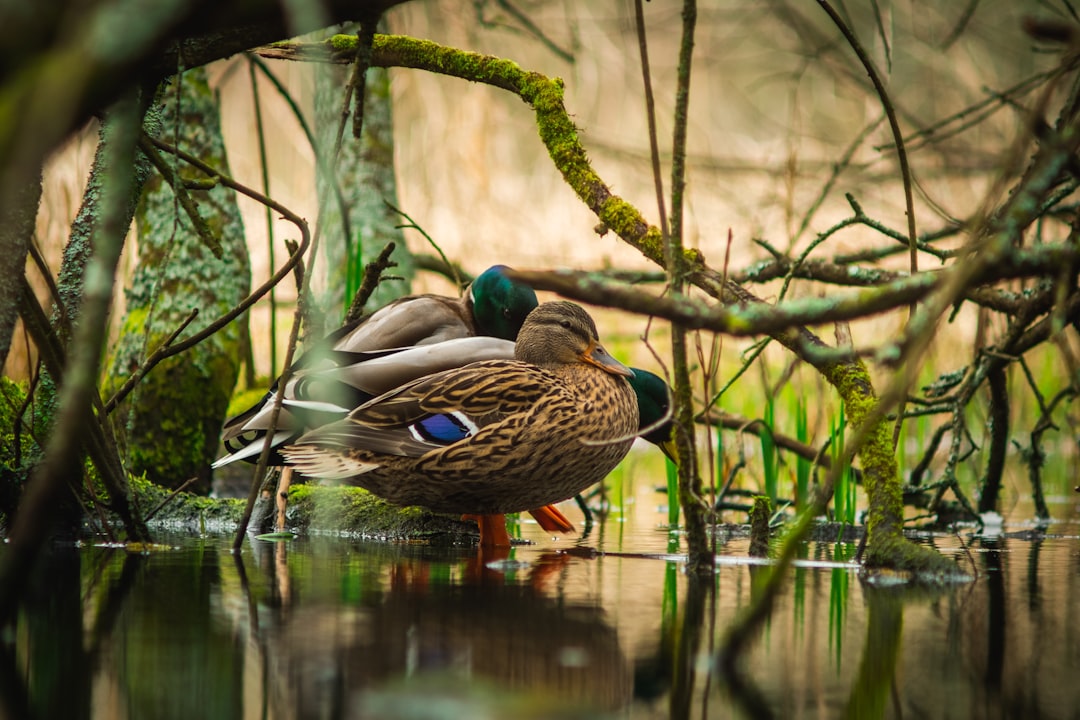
171,422
313,509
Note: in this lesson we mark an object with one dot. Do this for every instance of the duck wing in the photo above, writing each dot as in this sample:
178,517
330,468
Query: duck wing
376,373
428,414
326,387
417,320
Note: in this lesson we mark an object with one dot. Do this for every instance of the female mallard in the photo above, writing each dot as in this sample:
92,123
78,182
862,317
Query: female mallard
353,364
492,437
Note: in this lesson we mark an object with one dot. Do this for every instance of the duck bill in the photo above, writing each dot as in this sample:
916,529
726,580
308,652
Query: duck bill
598,356
668,448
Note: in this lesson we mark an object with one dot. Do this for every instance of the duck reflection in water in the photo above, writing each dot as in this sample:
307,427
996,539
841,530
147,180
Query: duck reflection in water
474,627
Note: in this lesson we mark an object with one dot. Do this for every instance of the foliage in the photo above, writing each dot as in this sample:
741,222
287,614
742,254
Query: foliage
16,442
17,428
802,464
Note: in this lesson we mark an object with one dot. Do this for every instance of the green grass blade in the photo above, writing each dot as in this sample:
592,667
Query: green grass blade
802,465
768,454
672,493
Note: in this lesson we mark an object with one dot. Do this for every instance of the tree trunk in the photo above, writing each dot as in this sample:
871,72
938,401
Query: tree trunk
172,420
16,229
357,223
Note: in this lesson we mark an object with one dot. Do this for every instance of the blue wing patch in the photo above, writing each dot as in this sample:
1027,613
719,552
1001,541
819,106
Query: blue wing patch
443,429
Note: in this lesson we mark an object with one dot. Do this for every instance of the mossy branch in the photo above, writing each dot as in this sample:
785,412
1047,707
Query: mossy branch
543,94
759,318
786,323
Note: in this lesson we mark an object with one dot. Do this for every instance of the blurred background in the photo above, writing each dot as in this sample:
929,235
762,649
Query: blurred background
783,123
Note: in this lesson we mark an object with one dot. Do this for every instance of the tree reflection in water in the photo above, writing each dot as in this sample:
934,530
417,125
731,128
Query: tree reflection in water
334,628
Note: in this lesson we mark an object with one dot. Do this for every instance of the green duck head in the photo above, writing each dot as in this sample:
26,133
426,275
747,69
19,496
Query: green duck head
654,402
500,305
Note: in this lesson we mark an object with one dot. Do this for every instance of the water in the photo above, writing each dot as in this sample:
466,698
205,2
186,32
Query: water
607,626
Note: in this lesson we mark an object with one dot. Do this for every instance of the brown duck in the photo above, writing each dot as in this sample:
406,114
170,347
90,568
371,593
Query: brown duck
491,437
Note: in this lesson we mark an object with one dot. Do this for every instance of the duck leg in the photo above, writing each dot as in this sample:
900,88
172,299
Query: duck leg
492,530
281,500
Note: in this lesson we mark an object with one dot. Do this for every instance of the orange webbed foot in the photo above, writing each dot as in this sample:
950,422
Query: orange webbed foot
552,520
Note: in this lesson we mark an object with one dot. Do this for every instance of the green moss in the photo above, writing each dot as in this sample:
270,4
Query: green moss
243,400
760,513
624,218
922,562
173,434
312,508
852,381
185,511
316,508
886,545
339,44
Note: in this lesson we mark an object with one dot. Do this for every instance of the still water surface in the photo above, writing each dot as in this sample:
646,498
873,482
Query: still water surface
605,626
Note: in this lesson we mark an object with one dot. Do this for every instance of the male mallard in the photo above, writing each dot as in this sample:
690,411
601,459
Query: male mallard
654,406
494,305
349,367
491,437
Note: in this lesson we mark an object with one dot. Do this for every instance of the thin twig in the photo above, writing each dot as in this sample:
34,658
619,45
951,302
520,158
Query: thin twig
187,483
157,356
413,225
531,28
264,166
372,274
901,154
650,114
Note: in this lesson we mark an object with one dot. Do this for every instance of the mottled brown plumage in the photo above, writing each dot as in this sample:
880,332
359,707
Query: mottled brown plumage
491,437
408,339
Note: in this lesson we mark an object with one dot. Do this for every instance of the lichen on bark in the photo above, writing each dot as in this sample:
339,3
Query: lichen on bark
171,422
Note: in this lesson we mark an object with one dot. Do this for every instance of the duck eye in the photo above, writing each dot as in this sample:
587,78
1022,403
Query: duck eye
566,324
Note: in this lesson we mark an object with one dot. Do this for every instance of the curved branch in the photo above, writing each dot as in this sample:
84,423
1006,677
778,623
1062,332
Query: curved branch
167,349
894,124
301,224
